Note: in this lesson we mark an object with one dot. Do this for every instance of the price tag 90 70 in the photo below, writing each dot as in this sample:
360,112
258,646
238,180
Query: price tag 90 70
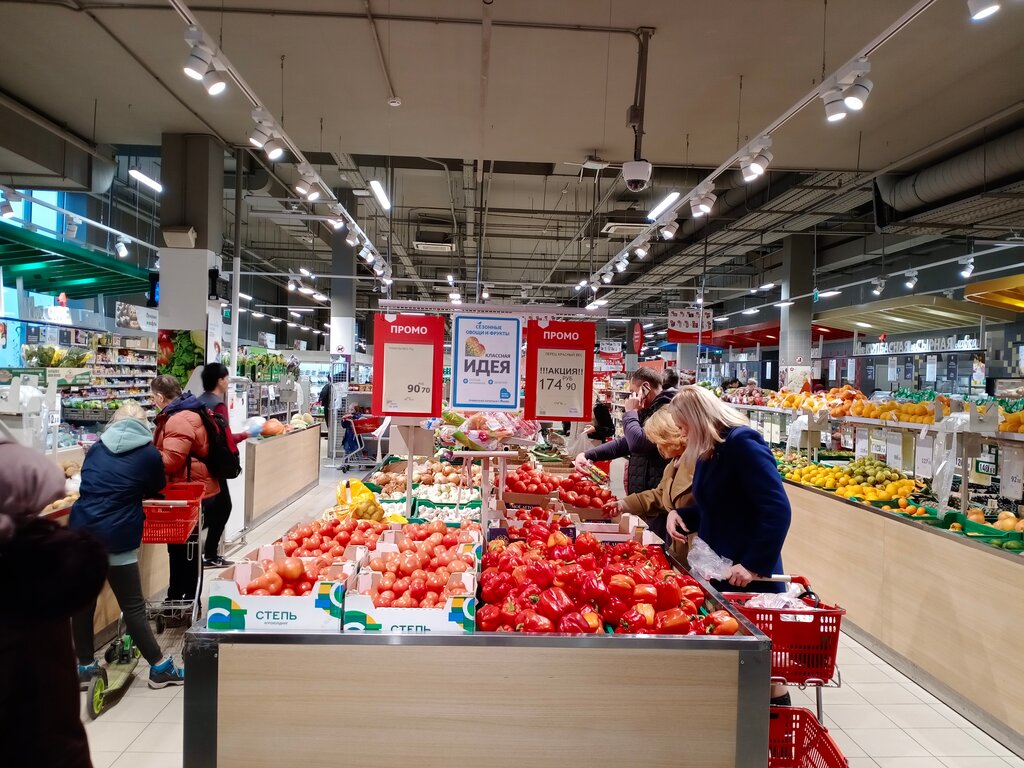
408,377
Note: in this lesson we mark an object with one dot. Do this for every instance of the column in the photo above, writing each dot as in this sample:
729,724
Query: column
797,277
686,357
343,289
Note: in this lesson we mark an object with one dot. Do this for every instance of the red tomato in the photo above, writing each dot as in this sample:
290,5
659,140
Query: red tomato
304,587
377,564
450,540
302,532
291,568
348,525
260,592
342,537
417,589
358,539
387,580
400,586
287,592
274,583
290,546
419,573
435,582
371,541
583,500
519,486
458,566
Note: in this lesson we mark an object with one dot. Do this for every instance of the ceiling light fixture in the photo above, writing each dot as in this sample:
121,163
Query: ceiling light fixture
319,297
878,286
767,286
352,239
6,209
293,325
594,285
968,269
641,251
327,326
856,94
747,170
981,9
275,320
911,279
606,277
71,228
835,107
582,284
621,264
828,294
859,324
721,318
661,207
291,285
293,313
669,230
274,149
305,289
305,271
305,327
378,192
759,163
259,135
782,304
368,255
245,296
337,224
242,310
751,311
142,178
257,314
707,200
695,210
121,248
485,294
648,326
454,295
199,58
451,279
214,81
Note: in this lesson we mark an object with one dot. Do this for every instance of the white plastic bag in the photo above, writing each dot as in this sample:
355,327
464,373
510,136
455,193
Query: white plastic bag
796,433
705,562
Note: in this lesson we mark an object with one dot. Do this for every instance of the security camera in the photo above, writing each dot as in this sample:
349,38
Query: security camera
637,174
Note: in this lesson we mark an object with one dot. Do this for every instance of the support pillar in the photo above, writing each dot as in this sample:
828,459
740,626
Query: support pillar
797,277
686,357
343,291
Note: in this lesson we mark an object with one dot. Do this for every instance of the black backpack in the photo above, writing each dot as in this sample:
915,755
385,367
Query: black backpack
222,459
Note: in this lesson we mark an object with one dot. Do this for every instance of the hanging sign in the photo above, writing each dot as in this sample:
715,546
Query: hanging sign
610,347
951,363
485,363
559,371
931,368
135,318
685,326
923,457
1011,472
908,368
832,371
635,337
851,370
893,364
408,355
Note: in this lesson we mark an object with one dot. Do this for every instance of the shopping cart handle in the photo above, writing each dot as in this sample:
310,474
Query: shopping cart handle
165,503
785,578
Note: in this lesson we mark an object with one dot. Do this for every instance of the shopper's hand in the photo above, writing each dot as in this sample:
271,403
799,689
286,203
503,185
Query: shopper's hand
676,527
740,576
581,462
590,428
614,507
632,404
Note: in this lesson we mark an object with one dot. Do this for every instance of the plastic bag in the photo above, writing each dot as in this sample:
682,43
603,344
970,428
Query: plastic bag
796,433
705,562
776,601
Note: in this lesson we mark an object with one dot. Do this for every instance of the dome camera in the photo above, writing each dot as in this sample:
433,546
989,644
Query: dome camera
637,174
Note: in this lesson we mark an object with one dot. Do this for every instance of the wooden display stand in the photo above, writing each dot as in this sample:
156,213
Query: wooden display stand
945,609
278,470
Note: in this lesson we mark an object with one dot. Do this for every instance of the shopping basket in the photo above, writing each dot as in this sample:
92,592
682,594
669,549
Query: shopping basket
797,740
172,518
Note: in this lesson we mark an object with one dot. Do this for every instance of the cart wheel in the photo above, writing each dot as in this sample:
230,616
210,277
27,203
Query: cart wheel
345,467
160,624
94,697
111,653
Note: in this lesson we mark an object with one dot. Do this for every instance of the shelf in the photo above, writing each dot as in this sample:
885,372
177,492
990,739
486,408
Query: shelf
124,362
122,346
113,397
106,386
123,376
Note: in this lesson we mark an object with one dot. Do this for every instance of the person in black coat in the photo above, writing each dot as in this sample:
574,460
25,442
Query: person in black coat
602,427
121,470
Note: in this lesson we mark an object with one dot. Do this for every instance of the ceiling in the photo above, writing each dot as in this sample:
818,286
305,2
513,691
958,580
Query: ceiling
559,80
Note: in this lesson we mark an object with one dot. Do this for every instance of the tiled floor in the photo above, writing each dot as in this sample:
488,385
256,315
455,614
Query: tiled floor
879,718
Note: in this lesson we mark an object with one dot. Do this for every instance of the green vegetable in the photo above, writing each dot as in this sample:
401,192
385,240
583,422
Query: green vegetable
187,356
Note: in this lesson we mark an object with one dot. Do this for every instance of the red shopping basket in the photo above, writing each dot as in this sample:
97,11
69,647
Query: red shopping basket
797,740
804,643
170,519
367,425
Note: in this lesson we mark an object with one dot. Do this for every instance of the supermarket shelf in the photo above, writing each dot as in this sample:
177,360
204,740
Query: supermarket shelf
350,393
124,375
113,397
136,363
123,346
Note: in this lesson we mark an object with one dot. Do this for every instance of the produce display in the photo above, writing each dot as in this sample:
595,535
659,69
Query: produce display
526,479
482,431
431,473
1006,520
748,395
45,356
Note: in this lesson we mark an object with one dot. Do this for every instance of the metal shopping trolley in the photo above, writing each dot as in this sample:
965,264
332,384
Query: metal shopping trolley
370,426
171,520
804,642
797,740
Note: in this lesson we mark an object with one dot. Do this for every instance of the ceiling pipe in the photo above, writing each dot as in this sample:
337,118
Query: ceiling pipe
393,100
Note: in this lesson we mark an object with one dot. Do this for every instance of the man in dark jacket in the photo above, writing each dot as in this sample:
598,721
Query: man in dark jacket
646,464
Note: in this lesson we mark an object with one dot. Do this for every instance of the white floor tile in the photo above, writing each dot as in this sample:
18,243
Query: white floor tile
952,742
159,737
866,673
1014,762
887,742
173,712
908,762
106,759
851,716
986,761
149,760
107,736
135,709
846,745
883,693
861,762
921,693
952,715
914,716
995,747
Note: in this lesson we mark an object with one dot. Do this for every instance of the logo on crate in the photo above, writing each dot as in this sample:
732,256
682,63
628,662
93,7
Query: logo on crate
225,614
463,613
331,597
357,621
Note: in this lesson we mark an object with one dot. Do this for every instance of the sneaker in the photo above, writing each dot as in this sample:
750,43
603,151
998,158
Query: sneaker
165,673
217,562
86,672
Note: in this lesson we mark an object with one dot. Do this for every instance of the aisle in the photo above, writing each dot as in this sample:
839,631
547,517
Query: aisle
879,718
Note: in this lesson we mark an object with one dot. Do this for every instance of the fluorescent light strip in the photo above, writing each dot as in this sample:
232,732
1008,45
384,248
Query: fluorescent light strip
380,194
142,178
661,207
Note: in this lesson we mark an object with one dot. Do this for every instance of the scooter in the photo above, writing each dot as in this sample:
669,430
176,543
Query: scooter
109,685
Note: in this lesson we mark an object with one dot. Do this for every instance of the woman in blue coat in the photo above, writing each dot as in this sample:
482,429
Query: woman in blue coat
121,470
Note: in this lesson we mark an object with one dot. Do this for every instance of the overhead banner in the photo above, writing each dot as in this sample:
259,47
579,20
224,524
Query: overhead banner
634,337
559,371
135,318
687,326
408,358
485,363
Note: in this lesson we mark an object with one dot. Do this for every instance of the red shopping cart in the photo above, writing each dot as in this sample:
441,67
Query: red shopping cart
359,458
797,740
171,519
804,642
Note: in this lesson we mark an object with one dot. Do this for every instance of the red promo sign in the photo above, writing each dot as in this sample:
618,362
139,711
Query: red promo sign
559,371
408,363
636,336
687,326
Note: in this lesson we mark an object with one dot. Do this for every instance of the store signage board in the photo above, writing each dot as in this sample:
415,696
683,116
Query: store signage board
408,357
559,370
923,457
832,371
951,364
851,370
686,326
894,449
908,368
1011,472
860,450
135,318
893,364
612,347
485,363
931,368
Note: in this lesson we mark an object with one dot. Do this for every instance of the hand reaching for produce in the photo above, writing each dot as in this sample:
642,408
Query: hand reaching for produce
740,576
581,462
614,507
676,527
590,428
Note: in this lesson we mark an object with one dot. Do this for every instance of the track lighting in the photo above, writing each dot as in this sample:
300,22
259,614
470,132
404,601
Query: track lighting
259,135
6,209
968,268
305,272
856,95
274,149
621,264
641,251
352,239
454,295
661,207
835,107
387,280
302,186
291,285
759,163
606,277
911,279
71,228
368,255
981,9
337,224
594,286
142,178
198,62
581,284
707,201
121,249
700,297
306,290
378,269
879,286
669,230
451,279
215,82
314,191
485,294
747,170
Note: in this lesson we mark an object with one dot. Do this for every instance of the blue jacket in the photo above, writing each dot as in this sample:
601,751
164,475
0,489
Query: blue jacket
743,507
121,470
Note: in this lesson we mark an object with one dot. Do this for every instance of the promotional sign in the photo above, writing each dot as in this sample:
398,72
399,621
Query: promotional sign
908,368
634,337
135,318
408,357
951,363
685,326
832,370
268,340
931,367
613,362
485,363
892,364
559,371
1011,472
851,370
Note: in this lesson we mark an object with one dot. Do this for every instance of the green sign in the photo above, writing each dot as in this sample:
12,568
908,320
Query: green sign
66,377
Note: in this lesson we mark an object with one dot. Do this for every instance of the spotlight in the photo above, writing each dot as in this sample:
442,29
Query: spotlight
319,297
669,230
594,286
707,201
767,286
581,284
606,277
856,95
257,314
70,228
749,174
121,249
215,82
911,279
6,209
352,239
751,311
305,289
274,149
485,294
378,269
303,185
621,264
700,297
641,251
244,296
368,255
835,107
387,280
454,295
293,313
305,272
981,9
314,191
968,268
142,178
293,325
337,224
759,162
291,285
259,135
451,279
879,286
695,209
198,62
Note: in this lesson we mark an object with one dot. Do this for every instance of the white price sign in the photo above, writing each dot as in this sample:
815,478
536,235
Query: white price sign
832,371
408,377
560,391
931,368
53,418
851,369
894,450
923,457
1011,473
846,440
878,443
893,369
860,450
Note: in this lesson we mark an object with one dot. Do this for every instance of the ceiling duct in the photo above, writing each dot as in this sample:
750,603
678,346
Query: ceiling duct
433,242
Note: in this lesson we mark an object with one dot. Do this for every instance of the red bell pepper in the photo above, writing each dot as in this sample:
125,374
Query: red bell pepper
593,590
640,616
534,622
693,593
673,621
688,607
527,594
621,586
488,618
509,610
563,552
553,603
587,562
722,623
645,593
668,595
573,623
587,543
496,589
519,574
568,578
592,617
614,609
542,574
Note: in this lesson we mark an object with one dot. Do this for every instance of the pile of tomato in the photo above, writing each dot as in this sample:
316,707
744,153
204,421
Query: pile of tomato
290,577
579,491
330,537
527,479
553,584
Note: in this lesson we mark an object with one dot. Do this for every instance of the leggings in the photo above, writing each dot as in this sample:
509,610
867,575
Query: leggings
215,518
126,585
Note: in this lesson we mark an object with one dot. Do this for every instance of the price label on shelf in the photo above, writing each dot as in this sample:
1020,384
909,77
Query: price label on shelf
846,439
559,370
878,443
860,450
1011,473
923,457
408,356
894,449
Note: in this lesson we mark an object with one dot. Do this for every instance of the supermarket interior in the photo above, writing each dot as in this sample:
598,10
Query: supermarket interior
604,383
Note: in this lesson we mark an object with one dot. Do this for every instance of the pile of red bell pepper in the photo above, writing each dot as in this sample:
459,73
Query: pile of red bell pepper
547,582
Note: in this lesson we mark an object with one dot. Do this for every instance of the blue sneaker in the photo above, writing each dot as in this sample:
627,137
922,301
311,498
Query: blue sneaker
86,672
165,673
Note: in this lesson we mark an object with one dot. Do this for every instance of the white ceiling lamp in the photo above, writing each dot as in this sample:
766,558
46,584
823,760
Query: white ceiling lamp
319,297
828,294
747,170
485,294
199,58
721,318
707,201
454,295
244,296
981,9
275,320
669,230
911,279
451,279
968,269
859,324
621,264
661,333
305,272
782,304
257,314
293,325
293,313
304,310
6,209
314,192
305,183
700,297
759,163
594,285
274,149
291,285
751,311
661,207
337,224
352,239
327,326
835,107
242,310
368,255
581,284
142,178
305,327
695,209
214,81
306,290
380,194
121,248
606,277
457,302
71,227
856,94
878,286
378,268
767,286
641,251
259,135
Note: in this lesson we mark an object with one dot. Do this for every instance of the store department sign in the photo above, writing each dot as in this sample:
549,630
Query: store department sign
408,358
135,318
485,362
687,326
559,371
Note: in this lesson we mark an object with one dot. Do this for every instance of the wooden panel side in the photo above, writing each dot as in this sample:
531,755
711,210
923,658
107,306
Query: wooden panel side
503,707
282,467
